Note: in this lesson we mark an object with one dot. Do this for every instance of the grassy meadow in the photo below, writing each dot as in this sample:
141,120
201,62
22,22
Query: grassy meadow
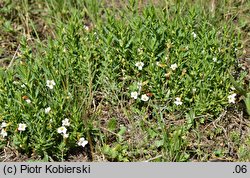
126,81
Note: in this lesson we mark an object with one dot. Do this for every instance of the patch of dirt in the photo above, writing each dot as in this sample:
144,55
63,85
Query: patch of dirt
16,24
216,141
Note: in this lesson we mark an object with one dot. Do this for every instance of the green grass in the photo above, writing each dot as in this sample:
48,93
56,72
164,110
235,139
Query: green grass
95,72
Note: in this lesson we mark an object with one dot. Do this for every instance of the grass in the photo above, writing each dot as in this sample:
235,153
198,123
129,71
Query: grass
139,81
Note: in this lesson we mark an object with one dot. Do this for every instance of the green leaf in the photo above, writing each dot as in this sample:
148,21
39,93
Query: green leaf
247,102
112,123
121,132
159,143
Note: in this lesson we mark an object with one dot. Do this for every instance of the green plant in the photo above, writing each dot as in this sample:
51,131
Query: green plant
244,92
150,64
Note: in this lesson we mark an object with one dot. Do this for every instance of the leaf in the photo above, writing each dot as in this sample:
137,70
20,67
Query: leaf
106,149
152,133
121,133
190,119
247,102
112,123
159,143
122,130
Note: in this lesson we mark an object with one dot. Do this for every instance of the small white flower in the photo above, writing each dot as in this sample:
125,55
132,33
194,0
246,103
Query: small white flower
214,59
139,65
144,98
65,135
50,84
4,124
231,98
62,130
15,82
82,142
47,110
86,27
23,86
178,101
65,122
194,34
174,66
21,127
28,101
3,133
134,95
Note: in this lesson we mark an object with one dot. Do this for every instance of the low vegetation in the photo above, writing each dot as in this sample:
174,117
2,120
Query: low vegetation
134,81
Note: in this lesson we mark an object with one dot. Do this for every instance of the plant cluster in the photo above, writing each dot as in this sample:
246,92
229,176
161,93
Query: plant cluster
146,62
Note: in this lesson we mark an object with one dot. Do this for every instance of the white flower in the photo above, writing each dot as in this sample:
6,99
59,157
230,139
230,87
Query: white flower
173,66
194,34
4,124
47,110
134,95
65,122
3,133
62,130
23,86
231,98
82,142
139,65
50,84
21,127
28,101
178,101
86,27
65,135
214,59
144,98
